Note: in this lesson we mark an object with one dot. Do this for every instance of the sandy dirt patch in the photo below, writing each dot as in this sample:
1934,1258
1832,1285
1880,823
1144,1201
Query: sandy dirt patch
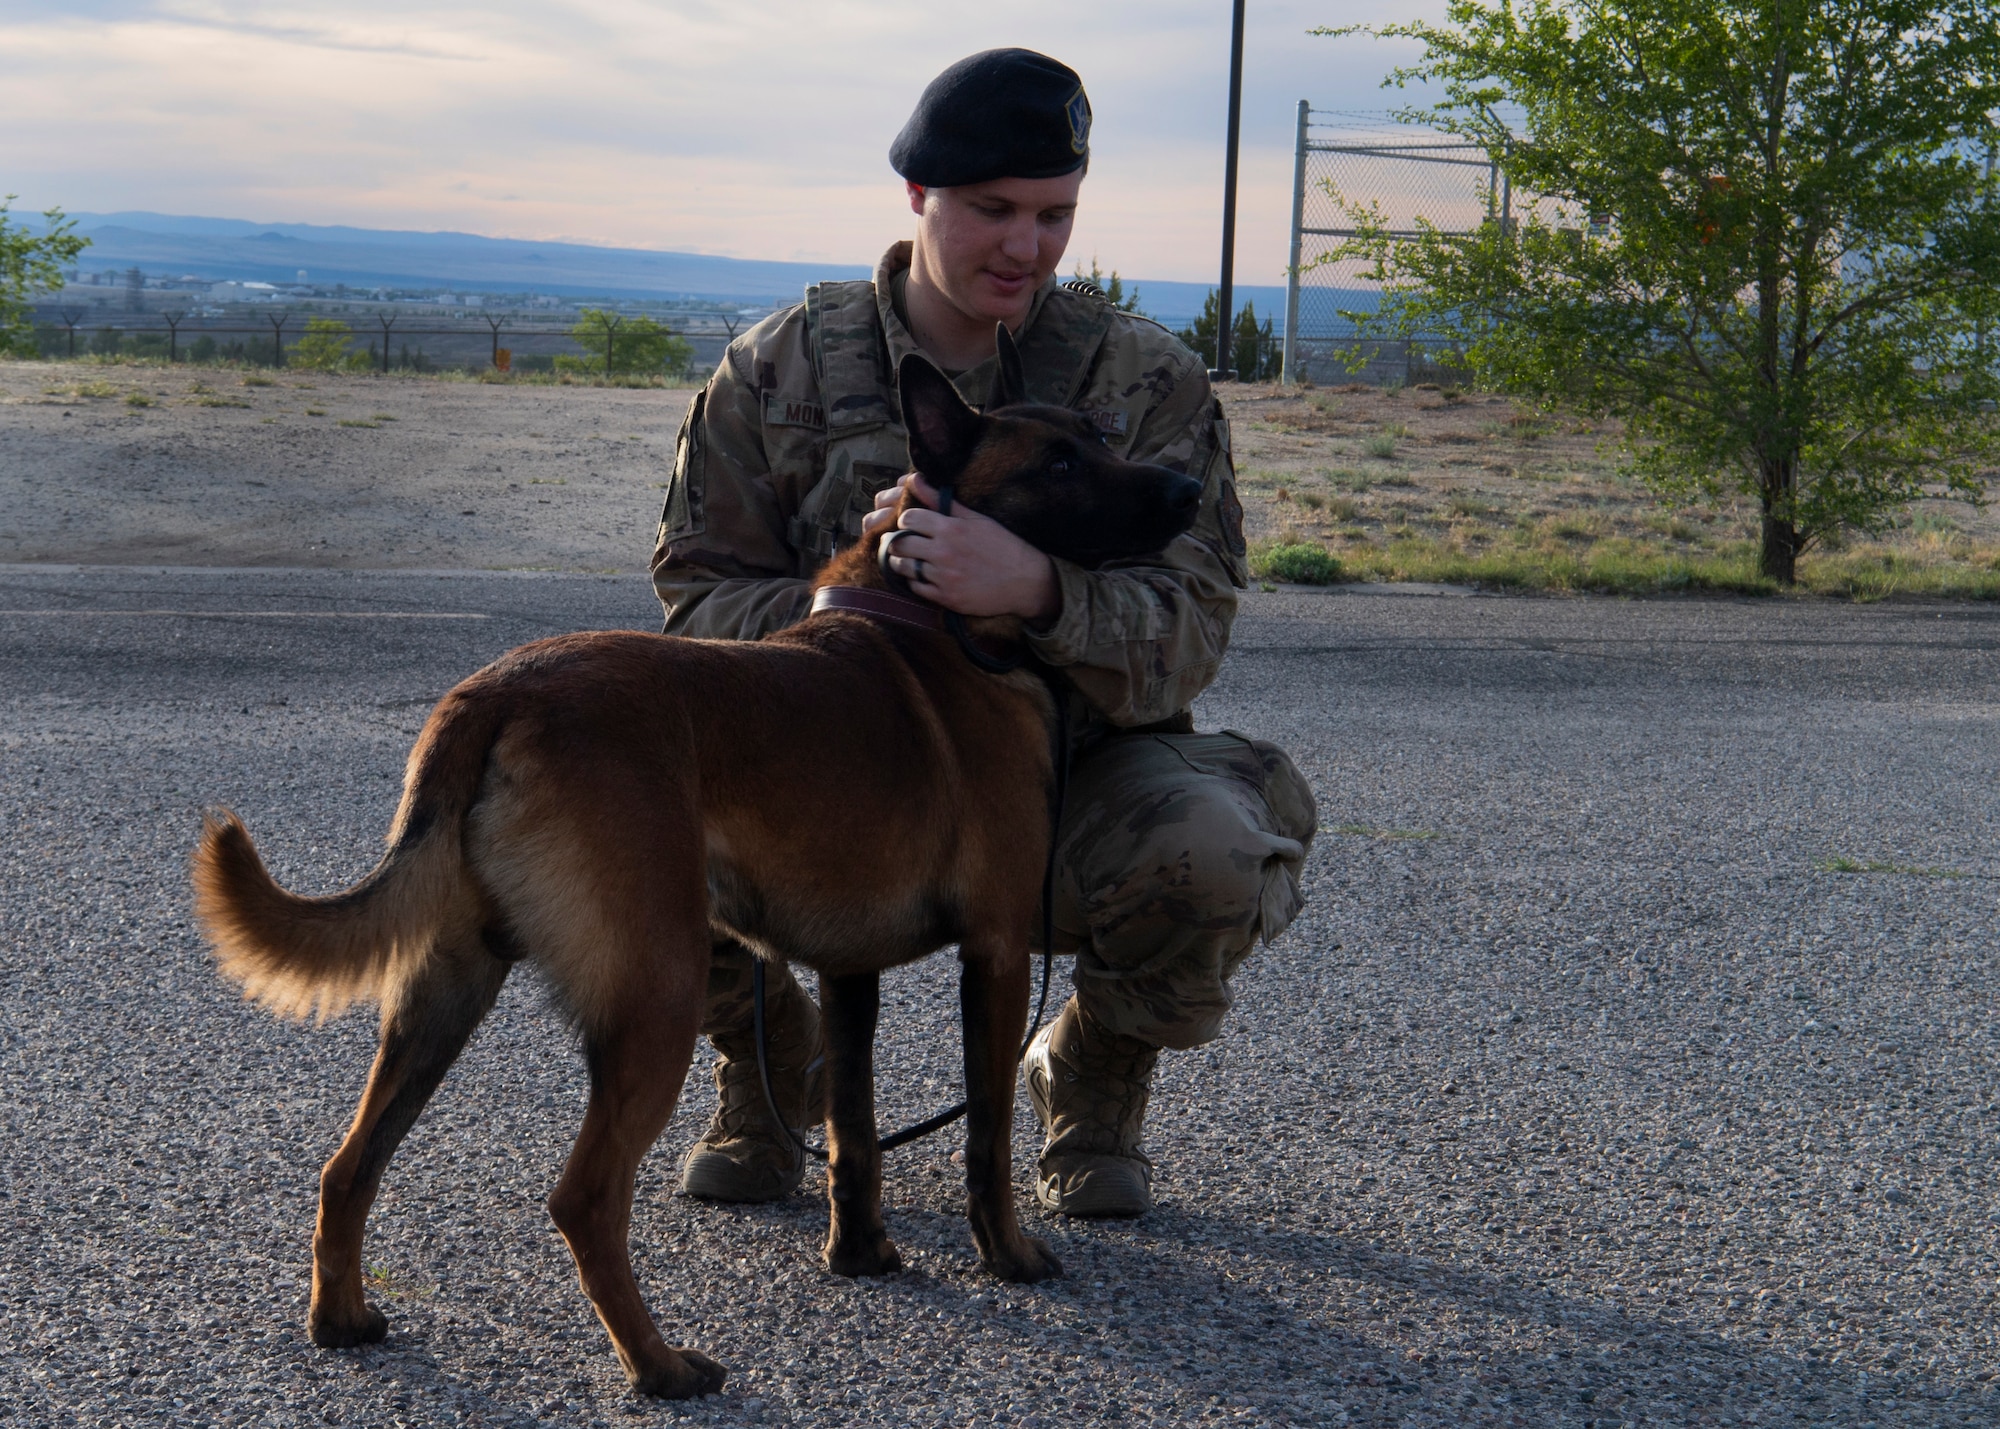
147,465
138,465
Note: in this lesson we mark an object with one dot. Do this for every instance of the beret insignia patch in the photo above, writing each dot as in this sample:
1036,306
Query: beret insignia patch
1079,121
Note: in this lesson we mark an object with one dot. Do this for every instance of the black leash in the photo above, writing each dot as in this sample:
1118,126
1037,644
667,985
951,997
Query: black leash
1059,695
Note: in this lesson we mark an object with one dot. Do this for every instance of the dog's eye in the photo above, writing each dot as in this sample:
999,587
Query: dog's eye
1059,467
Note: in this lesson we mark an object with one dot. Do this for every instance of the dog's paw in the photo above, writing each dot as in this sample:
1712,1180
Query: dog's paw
683,1374
877,1256
1025,1263
339,1333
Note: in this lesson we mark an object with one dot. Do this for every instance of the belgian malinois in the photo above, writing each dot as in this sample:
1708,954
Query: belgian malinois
851,793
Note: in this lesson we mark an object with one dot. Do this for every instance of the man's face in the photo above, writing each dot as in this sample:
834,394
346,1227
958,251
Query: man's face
991,245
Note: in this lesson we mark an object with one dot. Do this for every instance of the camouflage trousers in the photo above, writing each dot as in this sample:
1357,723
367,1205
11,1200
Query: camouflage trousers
1177,852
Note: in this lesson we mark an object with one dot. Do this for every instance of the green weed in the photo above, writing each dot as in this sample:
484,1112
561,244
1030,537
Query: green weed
1297,562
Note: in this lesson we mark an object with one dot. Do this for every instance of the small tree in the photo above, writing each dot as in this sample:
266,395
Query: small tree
1256,354
326,347
29,262
1782,248
632,344
1112,286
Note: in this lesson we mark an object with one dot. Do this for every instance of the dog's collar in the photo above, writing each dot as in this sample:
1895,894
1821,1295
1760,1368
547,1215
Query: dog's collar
879,605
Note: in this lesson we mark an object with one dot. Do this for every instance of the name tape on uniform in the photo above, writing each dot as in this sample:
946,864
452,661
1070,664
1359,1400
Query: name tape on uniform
793,412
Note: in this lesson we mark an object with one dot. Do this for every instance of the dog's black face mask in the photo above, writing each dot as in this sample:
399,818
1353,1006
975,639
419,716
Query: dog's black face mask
1040,471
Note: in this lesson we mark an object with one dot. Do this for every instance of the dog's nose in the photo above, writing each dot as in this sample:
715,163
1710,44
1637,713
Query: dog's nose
1183,495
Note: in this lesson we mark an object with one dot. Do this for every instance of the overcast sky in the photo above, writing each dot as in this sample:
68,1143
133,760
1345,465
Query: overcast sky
752,128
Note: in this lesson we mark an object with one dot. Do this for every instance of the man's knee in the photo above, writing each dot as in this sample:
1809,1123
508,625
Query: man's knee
1196,855
1217,854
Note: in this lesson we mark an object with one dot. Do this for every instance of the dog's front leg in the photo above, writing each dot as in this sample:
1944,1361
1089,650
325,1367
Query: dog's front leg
994,1007
856,1241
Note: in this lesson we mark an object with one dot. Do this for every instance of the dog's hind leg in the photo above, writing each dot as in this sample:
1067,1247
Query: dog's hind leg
857,1243
639,1052
425,1024
994,1008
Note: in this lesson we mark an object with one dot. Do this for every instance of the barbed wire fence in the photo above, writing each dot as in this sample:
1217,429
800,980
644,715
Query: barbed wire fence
1407,172
388,341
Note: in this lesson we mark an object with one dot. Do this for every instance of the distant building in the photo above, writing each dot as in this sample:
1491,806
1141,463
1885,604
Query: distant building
234,292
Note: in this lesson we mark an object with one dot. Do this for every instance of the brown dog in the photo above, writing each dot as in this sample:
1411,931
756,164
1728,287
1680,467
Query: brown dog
850,793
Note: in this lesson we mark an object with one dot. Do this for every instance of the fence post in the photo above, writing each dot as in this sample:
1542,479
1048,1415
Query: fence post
610,327
496,324
387,323
1289,375
70,320
173,335
278,338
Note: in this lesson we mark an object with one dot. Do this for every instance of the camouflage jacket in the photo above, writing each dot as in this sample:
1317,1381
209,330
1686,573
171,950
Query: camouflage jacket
781,455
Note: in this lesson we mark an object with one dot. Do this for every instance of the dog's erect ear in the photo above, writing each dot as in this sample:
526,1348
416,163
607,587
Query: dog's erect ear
943,430
1012,390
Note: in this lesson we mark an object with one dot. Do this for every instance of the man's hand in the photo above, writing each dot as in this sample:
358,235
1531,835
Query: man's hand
965,562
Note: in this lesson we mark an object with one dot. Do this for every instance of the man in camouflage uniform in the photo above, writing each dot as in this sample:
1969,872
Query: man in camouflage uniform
1177,850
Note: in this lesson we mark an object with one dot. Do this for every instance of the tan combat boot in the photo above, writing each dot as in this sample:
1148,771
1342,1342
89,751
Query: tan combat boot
743,1156
1089,1088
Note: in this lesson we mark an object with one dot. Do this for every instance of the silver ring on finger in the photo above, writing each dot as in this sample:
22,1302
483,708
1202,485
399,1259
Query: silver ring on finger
920,571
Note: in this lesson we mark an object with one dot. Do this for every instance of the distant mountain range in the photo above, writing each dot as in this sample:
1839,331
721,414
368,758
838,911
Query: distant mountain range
220,248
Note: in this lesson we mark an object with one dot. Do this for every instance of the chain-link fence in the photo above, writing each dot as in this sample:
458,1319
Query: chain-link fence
1405,172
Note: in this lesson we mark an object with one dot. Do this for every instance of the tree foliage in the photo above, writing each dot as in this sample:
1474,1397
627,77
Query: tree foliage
1112,286
1780,251
631,344
326,347
1256,353
30,261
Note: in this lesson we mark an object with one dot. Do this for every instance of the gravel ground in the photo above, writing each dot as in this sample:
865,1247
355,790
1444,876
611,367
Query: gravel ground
1587,1091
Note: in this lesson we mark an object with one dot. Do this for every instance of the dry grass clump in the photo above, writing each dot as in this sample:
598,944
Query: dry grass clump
1436,484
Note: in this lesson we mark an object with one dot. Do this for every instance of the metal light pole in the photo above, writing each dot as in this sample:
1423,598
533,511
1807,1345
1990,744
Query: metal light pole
1222,372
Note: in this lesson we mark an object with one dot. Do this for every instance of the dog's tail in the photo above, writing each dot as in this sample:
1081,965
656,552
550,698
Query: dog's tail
299,956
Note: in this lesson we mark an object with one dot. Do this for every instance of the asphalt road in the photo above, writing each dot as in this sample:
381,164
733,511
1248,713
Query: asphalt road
1633,1063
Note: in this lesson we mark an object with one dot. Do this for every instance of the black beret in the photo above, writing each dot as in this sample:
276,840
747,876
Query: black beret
999,114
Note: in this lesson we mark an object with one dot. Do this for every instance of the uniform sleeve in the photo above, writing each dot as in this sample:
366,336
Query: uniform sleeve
1140,641
721,564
